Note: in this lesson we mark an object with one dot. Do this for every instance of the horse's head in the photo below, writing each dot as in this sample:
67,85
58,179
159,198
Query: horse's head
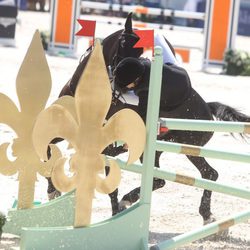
124,41
127,41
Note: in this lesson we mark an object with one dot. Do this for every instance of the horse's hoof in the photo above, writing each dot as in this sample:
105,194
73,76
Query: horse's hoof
123,205
115,210
2,222
218,236
53,195
115,213
209,220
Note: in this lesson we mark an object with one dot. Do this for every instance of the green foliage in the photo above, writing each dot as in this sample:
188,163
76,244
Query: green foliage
2,222
237,63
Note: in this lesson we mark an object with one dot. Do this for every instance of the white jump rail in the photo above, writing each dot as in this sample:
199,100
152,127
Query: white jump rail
143,10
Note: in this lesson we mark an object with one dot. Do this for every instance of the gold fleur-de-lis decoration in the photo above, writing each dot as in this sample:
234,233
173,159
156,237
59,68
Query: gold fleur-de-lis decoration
33,85
86,132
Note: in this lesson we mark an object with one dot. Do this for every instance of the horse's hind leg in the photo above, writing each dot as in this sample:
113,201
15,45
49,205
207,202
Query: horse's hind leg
207,172
134,195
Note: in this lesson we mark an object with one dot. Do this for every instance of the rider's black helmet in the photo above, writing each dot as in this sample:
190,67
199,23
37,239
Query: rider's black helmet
127,71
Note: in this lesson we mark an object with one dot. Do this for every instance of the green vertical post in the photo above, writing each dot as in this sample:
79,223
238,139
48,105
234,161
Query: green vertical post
151,129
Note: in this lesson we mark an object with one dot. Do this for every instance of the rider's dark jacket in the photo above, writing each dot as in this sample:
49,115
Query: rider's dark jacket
176,87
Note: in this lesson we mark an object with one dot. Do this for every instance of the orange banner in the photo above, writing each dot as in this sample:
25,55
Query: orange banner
63,21
220,29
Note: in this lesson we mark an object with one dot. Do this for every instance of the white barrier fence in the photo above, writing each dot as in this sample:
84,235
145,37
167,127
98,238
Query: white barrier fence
142,10
220,20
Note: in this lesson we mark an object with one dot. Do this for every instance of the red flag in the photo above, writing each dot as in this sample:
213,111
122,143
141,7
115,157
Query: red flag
88,28
146,39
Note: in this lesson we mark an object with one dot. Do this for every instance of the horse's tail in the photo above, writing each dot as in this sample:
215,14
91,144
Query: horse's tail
224,112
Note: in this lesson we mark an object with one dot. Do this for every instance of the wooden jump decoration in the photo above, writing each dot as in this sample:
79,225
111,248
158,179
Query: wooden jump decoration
66,221
33,85
89,137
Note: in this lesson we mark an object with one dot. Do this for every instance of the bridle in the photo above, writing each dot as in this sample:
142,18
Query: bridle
118,56
117,93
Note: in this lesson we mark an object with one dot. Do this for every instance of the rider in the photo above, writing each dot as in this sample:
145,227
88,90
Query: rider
133,74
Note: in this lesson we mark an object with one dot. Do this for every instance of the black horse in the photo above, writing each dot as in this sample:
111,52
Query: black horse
120,45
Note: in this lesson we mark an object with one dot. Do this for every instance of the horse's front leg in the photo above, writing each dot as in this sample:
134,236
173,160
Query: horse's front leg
113,151
133,196
52,192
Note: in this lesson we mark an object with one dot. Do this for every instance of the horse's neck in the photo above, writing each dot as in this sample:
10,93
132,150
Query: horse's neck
110,47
